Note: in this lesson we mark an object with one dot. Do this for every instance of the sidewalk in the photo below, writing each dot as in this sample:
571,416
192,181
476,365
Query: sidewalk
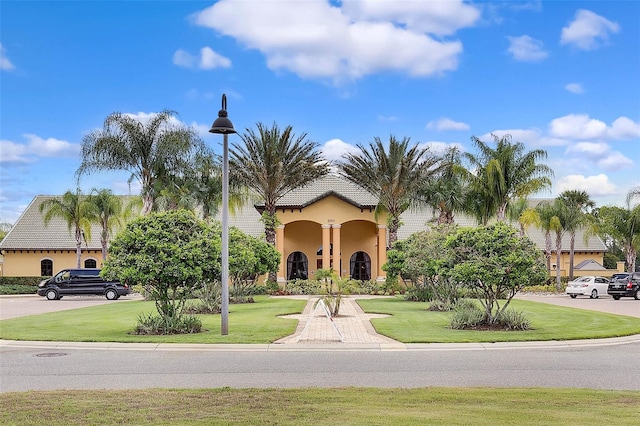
351,326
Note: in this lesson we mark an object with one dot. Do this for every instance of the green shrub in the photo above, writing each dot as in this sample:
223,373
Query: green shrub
150,324
548,288
305,287
513,320
467,315
19,285
17,289
209,299
272,287
441,306
419,293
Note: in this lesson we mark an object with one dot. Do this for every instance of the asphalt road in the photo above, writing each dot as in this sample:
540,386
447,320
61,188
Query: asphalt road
47,366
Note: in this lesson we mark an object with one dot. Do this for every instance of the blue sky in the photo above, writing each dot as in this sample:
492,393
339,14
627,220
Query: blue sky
558,75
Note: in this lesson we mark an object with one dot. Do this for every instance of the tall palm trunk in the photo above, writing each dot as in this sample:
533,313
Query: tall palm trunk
630,255
558,254
572,244
78,246
547,250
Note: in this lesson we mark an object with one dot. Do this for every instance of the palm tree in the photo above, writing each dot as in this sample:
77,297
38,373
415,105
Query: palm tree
446,192
621,227
394,176
147,150
576,204
546,214
498,175
76,211
110,214
272,163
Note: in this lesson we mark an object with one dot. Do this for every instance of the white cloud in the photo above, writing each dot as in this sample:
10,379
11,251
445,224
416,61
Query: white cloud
208,59
447,124
601,154
35,146
577,126
614,161
183,59
334,149
431,17
387,118
588,30
5,63
574,88
595,186
624,128
316,39
527,49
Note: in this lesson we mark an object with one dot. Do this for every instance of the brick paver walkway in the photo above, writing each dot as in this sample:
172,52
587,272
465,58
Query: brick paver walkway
352,324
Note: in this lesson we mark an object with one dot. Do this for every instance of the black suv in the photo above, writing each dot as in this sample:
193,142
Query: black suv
80,282
628,286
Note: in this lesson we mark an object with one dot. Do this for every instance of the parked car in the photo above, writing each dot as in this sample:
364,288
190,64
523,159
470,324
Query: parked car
590,285
628,286
81,282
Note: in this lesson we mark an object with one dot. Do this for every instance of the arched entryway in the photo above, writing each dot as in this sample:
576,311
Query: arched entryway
297,266
360,266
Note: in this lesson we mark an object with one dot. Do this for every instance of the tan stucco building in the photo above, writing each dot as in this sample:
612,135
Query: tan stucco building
330,213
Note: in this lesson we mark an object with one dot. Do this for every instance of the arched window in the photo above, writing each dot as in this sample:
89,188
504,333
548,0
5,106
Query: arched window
297,266
90,263
360,265
46,268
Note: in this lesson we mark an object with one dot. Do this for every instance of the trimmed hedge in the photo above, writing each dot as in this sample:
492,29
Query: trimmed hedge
19,285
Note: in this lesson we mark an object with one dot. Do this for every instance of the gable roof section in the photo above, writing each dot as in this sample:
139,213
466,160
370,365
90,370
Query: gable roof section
30,232
324,187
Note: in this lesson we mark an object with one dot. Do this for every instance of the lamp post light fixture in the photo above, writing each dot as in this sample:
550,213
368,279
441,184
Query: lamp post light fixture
223,126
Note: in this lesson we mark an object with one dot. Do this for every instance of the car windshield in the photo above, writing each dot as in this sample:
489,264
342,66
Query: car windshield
582,279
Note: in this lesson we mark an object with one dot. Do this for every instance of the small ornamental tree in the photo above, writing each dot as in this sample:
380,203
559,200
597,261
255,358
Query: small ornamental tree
495,263
427,261
170,254
249,258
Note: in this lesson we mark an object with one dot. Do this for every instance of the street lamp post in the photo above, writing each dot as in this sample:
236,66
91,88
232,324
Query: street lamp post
223,126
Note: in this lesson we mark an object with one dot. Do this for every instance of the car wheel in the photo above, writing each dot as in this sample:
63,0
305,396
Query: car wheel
637,295
573,296
52,295
111,294
594,294
616,297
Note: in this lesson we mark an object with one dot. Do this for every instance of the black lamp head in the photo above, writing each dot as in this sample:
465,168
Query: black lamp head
222,124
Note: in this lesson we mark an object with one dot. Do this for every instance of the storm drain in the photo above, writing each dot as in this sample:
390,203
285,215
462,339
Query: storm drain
51,354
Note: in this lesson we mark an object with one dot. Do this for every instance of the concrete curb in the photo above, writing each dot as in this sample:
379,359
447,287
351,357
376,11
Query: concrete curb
302,347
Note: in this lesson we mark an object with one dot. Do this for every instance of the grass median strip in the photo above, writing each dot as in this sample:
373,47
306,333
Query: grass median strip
410,322
344,406
248,323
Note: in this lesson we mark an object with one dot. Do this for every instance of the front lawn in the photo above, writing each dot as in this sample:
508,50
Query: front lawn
412,323
343,406
248,323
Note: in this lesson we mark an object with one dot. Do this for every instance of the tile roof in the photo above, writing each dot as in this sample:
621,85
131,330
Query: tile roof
29,231
331,184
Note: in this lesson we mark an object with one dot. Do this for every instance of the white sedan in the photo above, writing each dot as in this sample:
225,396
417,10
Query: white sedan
592,286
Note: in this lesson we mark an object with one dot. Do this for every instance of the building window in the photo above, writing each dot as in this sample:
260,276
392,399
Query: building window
297,266
46,268
360,266
90,263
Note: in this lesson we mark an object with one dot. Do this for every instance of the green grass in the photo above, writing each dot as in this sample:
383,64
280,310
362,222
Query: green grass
412,323
248,323
343,406
258,323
